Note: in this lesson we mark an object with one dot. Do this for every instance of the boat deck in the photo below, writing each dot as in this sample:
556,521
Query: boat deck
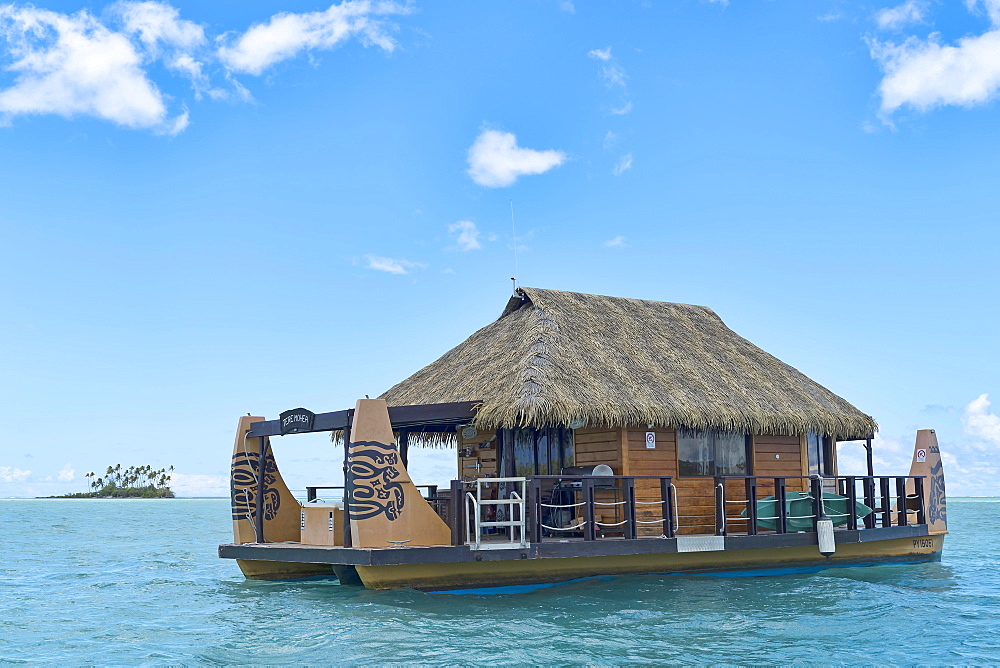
552,548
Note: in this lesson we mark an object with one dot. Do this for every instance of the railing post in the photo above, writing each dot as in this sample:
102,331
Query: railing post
720,506
456,518
751,488
667,507
589,528
883,484
816,487
918,489
536,510
868,483
780,495
850,486
901,518
629,494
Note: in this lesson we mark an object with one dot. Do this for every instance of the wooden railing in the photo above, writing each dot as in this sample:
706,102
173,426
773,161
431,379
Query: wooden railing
568,506
577,507
887,508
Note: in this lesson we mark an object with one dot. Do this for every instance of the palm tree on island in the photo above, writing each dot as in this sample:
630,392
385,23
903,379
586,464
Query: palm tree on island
135,482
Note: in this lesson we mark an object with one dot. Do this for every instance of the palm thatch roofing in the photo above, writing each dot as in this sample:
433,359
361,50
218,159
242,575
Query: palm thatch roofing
556,357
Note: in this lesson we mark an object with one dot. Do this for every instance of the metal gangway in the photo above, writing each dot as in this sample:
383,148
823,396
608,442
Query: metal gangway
515,517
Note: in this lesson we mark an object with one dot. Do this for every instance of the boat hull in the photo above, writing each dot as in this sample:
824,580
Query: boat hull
484,574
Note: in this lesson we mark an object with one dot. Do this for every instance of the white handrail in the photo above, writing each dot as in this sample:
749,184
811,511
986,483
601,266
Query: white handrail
515,502
673,494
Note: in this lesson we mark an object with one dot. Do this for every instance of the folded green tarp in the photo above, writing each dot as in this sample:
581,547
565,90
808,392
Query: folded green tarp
799,510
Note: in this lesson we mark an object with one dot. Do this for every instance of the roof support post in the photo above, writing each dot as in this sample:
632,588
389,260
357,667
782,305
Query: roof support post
868,448
404,448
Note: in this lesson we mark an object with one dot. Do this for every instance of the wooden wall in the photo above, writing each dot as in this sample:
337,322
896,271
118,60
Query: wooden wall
484,453
696,495
597,445
625,451
601,445
779,456
661,460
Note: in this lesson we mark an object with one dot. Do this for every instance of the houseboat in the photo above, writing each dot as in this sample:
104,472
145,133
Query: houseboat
593,436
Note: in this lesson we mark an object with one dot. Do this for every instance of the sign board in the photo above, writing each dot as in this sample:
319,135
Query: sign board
651,439
296,421
921,455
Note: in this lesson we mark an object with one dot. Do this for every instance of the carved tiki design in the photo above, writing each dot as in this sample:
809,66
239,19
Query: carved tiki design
938,508
243,485
373,472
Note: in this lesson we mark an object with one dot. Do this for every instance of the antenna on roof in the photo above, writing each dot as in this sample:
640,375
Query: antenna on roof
513,231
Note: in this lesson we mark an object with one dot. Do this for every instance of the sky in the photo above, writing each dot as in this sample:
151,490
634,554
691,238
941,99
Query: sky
214,209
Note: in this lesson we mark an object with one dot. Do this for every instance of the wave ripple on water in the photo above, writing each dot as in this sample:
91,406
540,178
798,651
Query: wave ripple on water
133,581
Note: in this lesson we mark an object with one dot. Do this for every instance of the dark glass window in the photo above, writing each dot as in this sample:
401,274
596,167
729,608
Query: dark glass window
710,452
820,454
540,451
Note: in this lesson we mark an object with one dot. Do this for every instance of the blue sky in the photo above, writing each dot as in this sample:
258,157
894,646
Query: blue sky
210,209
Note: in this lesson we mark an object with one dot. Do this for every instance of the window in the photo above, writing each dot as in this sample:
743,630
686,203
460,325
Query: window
540,451
820,454
710,452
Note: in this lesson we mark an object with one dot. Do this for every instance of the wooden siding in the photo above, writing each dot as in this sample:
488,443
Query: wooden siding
778,456
660,461
486,457
596,445
696,495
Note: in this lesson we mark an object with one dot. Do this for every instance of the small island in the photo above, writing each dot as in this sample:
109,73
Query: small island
135,482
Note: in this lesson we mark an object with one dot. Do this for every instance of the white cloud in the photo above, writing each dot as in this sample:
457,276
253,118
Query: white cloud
992,8
980,422
610,139
197,484
971,462
158,23
613,75
617,242
67,474
467,235
924,73
73,65
496,161
100,66
894,18
8,474
724,3
600,54
567,6
391,265
286,35
623,165
622,110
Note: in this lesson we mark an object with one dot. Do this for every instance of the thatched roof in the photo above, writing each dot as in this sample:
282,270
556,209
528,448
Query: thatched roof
554,357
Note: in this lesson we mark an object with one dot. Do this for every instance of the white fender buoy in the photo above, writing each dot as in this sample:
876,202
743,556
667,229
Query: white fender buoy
824,531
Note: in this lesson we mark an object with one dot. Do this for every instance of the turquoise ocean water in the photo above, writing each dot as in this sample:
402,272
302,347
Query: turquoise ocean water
127,582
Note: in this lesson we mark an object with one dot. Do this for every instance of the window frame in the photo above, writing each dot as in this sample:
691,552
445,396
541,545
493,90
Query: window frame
747,454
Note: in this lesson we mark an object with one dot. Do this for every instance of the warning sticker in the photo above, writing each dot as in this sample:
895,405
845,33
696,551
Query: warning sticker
650,439
921,455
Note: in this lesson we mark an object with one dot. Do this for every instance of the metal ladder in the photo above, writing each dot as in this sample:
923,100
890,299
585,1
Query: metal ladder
516,519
